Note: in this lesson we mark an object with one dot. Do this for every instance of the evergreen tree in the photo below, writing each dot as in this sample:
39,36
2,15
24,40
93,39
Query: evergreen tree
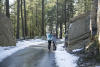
93,26
23,29
57,21
7,9
42,26
18,13
25,19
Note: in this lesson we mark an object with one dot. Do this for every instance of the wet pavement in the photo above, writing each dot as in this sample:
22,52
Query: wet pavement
48,60
33,56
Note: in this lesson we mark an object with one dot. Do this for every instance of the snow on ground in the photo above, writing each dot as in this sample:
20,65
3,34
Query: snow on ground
77,50
7,51
63,58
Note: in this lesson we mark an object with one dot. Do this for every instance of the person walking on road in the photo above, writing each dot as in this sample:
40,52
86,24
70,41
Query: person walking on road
49,38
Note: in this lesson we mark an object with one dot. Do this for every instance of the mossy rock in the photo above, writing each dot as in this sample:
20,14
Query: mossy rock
6,32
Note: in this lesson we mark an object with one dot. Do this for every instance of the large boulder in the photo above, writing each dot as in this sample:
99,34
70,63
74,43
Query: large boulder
79,31
79,27
6,32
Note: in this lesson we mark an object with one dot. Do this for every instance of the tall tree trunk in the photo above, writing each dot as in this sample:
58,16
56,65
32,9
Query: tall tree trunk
98,23
30,28
60,30
0,6
32,23
65,15
14,26
7,9
93,23
36,17
61,23
23,34
43,32
25,19
18,25
57,21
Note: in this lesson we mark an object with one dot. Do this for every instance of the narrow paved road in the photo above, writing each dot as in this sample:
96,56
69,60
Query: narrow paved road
33,56
48,60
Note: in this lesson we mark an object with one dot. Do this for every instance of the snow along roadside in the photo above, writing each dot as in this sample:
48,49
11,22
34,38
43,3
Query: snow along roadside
63,58
7,51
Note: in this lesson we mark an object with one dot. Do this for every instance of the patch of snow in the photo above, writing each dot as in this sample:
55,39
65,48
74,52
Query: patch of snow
77,50
97,66
7,51
30,42
70,26
63,58
62,39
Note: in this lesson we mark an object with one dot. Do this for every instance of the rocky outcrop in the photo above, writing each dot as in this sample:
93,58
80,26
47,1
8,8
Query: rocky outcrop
6,32
79,31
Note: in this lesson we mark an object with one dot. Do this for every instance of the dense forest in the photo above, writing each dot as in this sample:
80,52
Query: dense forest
31,18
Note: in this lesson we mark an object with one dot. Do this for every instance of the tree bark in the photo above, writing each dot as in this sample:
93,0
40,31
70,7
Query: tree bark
42,33
0,6
30,28
25,19
60,30
36,16
98,22
23,34
18,25
57,21
7,9
65,15
93,23
61,23
32,31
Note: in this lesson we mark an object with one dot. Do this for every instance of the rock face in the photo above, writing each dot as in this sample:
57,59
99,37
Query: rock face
79,31
6,32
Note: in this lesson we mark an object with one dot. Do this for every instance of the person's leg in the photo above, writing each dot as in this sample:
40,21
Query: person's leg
54,46
49,44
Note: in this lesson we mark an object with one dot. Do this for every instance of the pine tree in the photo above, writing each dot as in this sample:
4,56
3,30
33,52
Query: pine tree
65,15
93,26
23,30
36,16
61,23
0,6
18,12
42,25
26,30
57,21
7,9
98,23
